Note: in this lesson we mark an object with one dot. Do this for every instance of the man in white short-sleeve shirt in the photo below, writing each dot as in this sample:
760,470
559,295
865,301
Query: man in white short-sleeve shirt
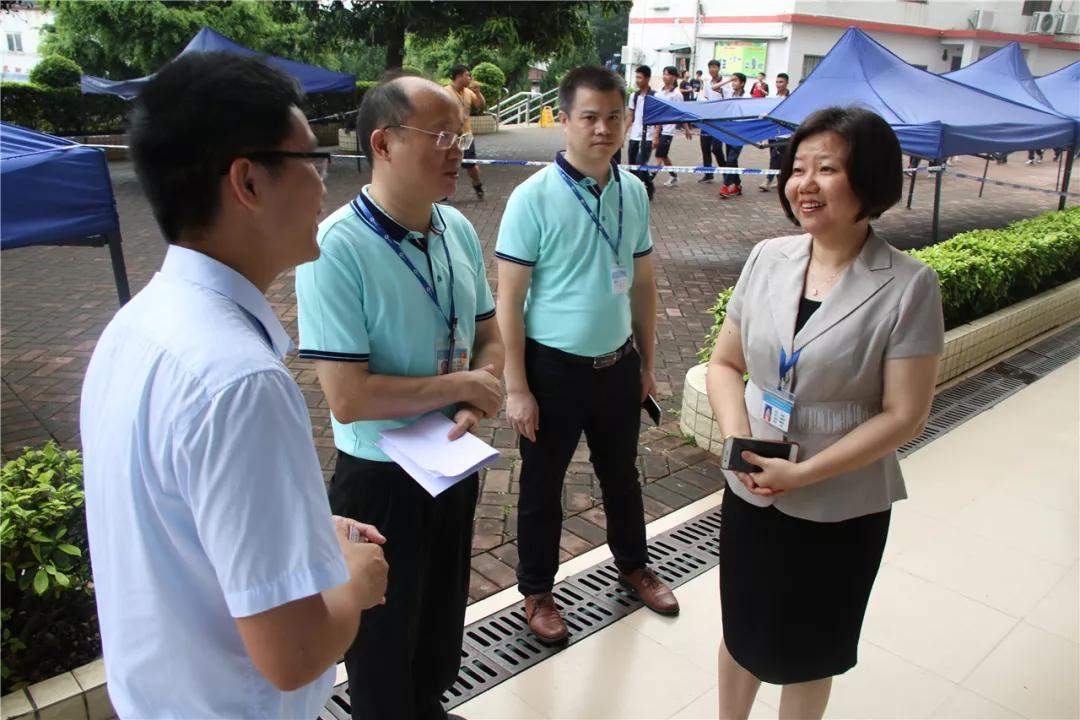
224,588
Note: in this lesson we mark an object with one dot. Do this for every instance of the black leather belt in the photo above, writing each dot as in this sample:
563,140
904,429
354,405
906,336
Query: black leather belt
598,363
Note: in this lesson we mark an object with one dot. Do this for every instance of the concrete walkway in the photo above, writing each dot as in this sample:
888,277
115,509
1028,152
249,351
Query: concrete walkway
974,614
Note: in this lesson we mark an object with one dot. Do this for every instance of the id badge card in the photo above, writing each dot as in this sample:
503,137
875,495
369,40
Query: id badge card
448,360
620,280
776,408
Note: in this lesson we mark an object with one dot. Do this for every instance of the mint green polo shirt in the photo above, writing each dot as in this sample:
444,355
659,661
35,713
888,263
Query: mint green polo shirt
360,303
570,304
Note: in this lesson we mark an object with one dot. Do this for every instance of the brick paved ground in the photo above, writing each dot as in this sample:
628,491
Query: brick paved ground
57,300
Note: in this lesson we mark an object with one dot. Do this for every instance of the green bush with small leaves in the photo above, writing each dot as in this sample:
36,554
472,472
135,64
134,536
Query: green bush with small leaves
982,271
49,616
56,71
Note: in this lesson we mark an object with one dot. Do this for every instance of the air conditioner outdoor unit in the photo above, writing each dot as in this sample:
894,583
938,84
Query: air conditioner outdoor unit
1069,24
982,20
1043,23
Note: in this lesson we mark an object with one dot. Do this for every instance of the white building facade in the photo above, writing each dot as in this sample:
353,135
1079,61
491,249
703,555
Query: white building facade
20,36
792,36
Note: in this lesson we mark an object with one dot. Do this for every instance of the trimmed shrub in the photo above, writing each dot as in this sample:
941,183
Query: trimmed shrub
49,615
491,80
56,71
982,271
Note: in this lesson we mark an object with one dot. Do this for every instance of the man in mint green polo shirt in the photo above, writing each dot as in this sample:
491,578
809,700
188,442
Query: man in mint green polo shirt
577,312
399,319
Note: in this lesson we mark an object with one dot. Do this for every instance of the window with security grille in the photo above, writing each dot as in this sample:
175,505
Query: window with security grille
1033,6
809,62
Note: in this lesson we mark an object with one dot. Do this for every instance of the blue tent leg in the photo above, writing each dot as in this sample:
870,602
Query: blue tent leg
119,271
1066,176
937,203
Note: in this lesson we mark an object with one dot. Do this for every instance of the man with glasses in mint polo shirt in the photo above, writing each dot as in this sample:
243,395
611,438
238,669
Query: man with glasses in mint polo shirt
400,322
577,311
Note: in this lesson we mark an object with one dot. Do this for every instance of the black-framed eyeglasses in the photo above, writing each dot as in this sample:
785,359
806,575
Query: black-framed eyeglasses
443,140
320,160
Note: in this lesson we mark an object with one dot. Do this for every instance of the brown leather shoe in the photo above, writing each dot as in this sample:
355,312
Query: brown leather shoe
653,592
544,618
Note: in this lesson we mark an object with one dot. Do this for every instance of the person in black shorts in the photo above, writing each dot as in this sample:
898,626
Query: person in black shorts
663,146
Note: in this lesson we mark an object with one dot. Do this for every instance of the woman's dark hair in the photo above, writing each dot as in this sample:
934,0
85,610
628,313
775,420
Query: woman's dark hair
672,70
874,168
590,77
198,114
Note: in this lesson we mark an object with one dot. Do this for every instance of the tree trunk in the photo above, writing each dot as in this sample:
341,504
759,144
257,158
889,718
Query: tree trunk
395,45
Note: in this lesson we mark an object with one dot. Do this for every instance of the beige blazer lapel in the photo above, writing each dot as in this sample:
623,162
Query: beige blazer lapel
786,284
867,275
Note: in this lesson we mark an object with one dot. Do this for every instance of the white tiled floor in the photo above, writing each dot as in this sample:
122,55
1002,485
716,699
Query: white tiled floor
975,613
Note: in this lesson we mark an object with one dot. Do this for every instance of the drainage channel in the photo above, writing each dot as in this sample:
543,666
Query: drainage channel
500,645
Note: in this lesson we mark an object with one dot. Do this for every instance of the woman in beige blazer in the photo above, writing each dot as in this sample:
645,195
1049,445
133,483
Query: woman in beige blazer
801,542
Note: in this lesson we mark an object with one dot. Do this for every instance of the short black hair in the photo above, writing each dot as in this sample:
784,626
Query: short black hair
644,70
590,77
698,72
198,114
782,75
672,70
874,167
457,70
383,105
714,63
741,77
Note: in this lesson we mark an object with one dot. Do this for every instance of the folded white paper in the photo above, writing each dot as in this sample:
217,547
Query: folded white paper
423,450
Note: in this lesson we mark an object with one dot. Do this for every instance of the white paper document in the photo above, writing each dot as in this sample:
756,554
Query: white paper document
423,451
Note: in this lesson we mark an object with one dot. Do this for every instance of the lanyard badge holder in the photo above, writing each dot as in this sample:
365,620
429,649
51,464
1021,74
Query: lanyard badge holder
620,278
778,405
449,357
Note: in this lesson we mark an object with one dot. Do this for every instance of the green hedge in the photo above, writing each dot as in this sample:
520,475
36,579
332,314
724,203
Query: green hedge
62,111
983,271
66,111
49,616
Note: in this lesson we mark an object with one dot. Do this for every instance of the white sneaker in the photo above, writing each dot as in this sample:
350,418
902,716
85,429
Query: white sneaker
673,180
1029,162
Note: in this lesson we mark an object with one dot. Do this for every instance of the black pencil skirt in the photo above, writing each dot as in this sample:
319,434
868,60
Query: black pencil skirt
793,592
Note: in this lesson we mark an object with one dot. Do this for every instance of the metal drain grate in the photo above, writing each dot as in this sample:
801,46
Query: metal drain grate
983,391
500,645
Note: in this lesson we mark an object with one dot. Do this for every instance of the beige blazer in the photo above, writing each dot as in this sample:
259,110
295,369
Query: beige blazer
886,305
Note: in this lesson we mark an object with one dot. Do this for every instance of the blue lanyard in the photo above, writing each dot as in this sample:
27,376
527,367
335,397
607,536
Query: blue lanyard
788,364
361,209
596,221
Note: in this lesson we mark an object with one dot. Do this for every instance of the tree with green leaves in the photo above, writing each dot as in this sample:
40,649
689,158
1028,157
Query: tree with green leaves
119,39
541,28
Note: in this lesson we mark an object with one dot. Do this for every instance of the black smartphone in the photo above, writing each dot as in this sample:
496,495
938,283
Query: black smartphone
734,447
652,408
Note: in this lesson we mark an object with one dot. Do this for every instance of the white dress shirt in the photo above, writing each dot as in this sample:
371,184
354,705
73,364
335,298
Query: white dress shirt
204,498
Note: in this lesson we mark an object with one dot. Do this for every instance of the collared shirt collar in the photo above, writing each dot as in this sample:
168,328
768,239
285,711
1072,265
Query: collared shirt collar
580,177
396,230
202,270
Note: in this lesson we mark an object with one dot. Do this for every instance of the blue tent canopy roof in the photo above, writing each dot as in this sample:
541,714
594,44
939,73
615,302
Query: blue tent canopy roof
734,121
55,191
1062,89
933,116
1004,73
311,78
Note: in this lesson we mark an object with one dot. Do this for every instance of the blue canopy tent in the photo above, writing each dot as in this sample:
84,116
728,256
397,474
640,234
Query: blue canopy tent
736,121
57,192
311,78
1006,74
1062,89
933,116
